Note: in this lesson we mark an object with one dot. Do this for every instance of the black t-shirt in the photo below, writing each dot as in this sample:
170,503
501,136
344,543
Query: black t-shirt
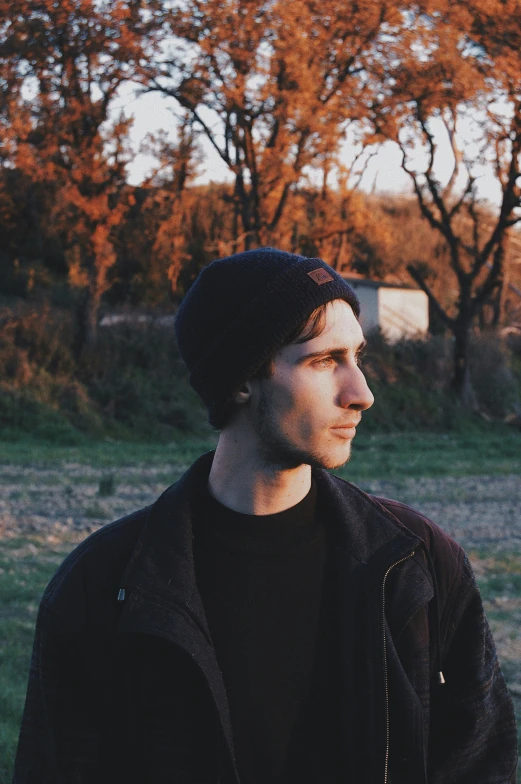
262,579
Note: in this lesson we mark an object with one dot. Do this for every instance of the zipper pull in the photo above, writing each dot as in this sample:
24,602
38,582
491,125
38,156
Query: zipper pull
440,678
121,595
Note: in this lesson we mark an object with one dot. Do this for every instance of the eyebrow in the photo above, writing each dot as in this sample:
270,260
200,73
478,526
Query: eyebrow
331,352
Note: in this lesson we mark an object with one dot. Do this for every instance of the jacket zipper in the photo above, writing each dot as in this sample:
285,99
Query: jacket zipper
386,689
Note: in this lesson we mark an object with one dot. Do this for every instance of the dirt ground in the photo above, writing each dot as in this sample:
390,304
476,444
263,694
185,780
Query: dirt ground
479,511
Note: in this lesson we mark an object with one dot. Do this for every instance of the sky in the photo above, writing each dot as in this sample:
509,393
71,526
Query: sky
152,112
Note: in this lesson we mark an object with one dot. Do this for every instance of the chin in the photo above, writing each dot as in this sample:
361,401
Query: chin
332,465
330,461
286,453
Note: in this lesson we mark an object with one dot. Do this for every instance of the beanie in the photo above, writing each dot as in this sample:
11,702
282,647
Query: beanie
241,309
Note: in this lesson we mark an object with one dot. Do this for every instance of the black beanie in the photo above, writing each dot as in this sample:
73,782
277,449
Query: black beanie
240,311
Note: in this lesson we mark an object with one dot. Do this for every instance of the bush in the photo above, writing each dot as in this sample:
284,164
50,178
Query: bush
493,379
35,339
20,414
405,378
137,378
134,385
411,383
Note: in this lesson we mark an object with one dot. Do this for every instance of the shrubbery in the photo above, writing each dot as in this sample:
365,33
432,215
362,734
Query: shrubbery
134,385
411,382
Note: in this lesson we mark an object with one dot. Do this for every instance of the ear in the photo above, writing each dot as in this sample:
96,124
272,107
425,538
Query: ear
244,394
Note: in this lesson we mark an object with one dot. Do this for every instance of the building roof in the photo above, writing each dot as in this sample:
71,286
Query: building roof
354,280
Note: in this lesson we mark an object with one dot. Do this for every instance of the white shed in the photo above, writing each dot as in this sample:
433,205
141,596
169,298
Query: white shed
399,311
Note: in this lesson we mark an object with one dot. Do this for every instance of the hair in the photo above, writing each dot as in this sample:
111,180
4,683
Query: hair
311,328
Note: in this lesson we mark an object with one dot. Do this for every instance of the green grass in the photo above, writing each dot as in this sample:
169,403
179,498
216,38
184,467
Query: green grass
398,455
499,580
485,450
107,453
26,566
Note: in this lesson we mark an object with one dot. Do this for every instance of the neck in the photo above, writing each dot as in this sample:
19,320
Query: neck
241,480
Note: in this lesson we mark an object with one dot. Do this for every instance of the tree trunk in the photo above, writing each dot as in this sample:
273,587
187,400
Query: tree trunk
461,383
241,196
500,302
88,313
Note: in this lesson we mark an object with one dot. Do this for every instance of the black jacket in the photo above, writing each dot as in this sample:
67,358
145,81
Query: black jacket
124,684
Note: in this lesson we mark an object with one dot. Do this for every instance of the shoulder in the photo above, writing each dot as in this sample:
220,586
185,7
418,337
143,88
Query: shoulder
449,561
91,573
404,517
437,541
446,555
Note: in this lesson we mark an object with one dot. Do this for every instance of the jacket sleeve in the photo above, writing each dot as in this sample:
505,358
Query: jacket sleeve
58,742
473,738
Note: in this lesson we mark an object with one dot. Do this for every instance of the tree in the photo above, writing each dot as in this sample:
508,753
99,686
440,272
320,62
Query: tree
20,206
273,87
72,58
447,66
176,169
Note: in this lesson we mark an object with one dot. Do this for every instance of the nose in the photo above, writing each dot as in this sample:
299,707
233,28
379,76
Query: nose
355,393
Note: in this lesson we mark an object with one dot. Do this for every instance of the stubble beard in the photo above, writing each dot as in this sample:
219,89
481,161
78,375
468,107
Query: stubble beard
277,451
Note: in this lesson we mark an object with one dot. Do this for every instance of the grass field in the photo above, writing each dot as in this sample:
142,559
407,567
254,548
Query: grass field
97,479
25,568
481,450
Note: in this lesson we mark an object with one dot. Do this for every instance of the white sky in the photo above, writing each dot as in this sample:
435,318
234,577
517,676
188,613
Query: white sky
153,112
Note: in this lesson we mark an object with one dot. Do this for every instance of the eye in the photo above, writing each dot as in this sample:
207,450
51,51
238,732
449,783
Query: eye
323,362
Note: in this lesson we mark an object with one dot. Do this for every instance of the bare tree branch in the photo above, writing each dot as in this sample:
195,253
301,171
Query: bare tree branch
450,127
419,279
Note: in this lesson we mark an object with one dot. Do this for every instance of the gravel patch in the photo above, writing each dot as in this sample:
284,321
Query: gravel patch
478,511
73,500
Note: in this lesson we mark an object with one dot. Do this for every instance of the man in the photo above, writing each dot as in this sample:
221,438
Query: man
264,621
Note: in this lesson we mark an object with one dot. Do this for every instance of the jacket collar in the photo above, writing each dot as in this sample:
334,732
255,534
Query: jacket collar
363,527
162,563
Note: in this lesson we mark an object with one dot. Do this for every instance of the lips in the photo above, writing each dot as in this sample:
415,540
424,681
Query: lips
346,430
349,425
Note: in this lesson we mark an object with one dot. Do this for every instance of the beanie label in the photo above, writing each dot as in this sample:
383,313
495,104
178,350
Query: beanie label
320,276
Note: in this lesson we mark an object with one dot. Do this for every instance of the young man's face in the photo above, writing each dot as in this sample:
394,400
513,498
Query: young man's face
307,411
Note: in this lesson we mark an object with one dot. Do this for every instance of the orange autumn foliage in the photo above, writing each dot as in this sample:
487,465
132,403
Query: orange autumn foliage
273,86
72,57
